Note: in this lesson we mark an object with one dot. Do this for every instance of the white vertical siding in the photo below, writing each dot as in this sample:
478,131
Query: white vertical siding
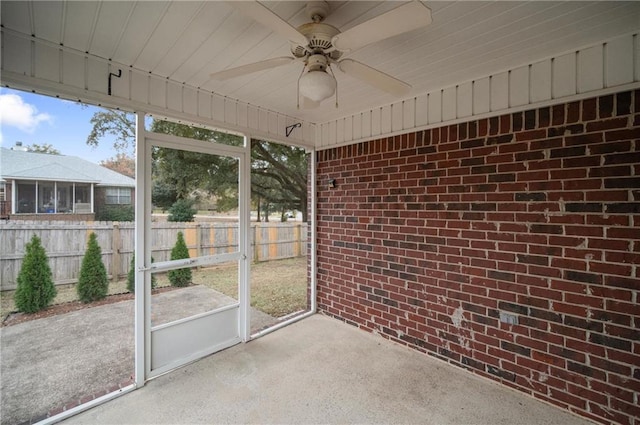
73,72
422,110
340,130
499,91
619,61
519,86
564,76
158,92
348,128
601,68
190,100
408,113
32,63
435,107
540,81
481,96
449,104
204,106
375,121
464,100
590,69
140,87
47,62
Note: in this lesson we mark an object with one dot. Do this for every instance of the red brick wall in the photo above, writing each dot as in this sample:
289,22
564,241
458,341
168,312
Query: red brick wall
429,236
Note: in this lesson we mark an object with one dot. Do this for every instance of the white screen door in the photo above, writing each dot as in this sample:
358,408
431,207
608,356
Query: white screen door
195,271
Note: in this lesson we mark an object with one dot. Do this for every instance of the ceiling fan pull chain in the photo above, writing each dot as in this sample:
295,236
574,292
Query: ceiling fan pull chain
298,86
334,77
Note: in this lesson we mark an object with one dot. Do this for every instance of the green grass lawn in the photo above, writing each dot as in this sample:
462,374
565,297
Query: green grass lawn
278,287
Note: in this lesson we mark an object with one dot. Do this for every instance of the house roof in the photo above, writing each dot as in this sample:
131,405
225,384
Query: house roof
39,166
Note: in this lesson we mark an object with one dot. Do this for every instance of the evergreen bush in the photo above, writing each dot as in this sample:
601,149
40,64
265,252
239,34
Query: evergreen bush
182,210
131,276
116,213
180,277
93,284
35,289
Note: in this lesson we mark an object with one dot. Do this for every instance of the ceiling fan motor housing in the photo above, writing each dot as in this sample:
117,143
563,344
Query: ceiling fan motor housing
319,36
317,62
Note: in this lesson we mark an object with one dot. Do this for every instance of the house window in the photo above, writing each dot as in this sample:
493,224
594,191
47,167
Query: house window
118,195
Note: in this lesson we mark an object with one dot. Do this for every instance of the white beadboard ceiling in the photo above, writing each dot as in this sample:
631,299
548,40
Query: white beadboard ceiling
185,41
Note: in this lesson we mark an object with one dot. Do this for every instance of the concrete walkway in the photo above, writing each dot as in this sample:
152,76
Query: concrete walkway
321,370
56,362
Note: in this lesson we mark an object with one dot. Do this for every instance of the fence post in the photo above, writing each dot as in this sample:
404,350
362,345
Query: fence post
115,251
198,241
297,250
257,238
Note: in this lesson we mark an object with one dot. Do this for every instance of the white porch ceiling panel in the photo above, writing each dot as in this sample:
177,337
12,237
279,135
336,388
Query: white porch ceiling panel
168,49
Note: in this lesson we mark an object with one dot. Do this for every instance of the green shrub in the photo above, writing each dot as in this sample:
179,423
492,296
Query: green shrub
93,284
116,213
180,277
131,276
182,210
35,289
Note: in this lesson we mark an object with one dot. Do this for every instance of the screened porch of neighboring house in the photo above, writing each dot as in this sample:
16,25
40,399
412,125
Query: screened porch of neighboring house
38,184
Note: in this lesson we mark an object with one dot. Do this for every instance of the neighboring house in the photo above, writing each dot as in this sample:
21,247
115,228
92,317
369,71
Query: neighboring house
38,186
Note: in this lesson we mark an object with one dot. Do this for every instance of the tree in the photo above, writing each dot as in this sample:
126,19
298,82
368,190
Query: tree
181,211
121,163
163,195
35,289
131,276
46,148
180,277
187,172
279,176
120,124
92,282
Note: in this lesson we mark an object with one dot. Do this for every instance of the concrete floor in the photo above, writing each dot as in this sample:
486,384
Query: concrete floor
50,362
321,370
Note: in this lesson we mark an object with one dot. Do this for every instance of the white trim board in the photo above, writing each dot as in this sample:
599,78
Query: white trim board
608,67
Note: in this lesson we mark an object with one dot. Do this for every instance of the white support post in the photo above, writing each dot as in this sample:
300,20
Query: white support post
14,196
143,291
312,223
244,273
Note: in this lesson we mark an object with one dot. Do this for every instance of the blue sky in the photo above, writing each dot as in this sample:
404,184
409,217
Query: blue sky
32,118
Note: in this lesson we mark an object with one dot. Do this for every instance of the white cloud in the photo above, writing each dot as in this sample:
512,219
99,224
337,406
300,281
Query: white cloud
15,112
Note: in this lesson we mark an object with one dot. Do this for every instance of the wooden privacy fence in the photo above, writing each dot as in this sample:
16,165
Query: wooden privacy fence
65,244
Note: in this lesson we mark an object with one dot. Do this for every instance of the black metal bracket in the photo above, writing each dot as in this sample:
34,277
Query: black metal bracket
292,127
111,74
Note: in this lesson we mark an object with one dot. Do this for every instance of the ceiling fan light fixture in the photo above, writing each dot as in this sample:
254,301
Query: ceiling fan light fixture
317,85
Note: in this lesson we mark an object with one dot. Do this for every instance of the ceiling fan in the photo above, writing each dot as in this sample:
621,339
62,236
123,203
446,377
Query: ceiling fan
320,46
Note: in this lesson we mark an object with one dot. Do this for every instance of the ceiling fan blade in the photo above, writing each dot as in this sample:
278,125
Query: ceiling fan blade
251,68
309,104
266,17
405,18
377,79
